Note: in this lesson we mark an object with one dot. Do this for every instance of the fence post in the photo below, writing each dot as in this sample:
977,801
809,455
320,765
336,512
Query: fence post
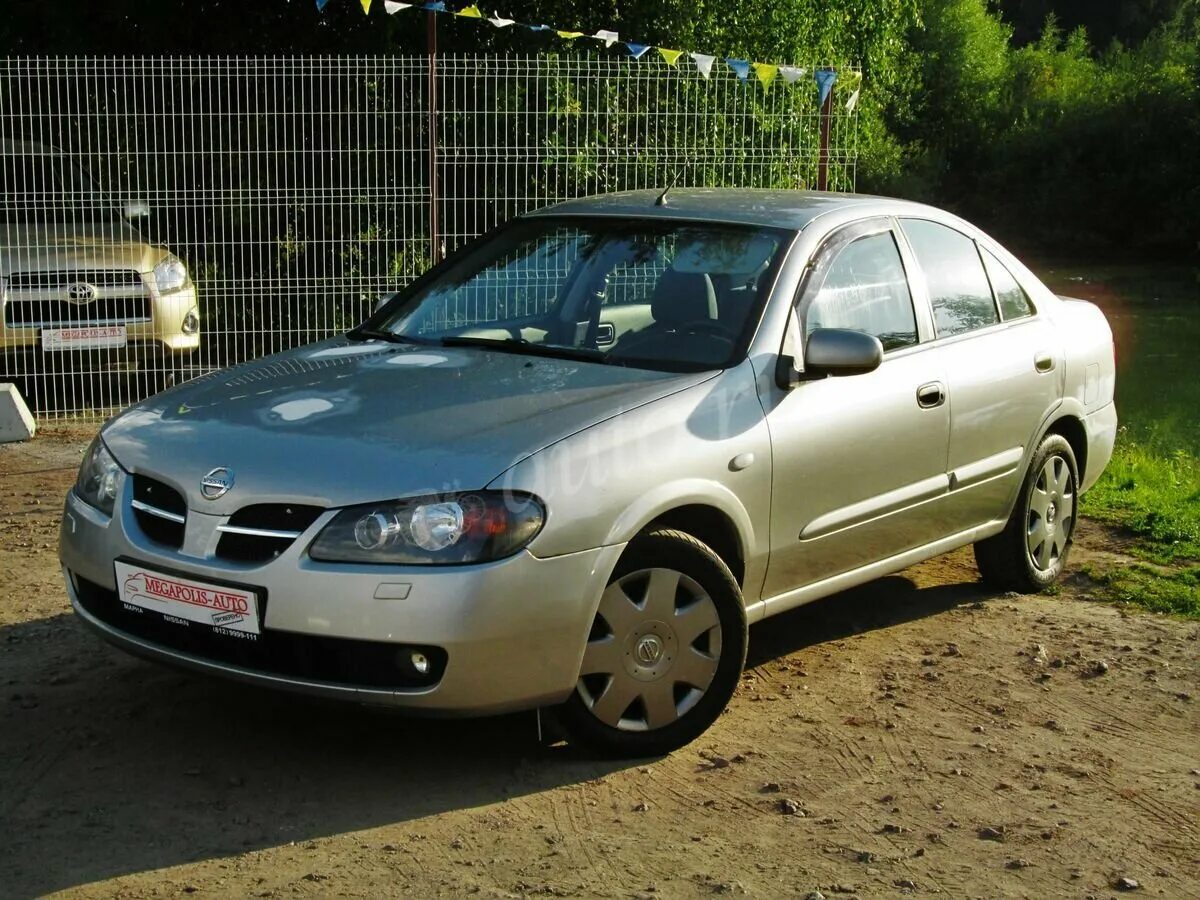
823,148
435,251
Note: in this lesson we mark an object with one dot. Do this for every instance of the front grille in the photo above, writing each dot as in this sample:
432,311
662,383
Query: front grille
61,279
50,313
160,511
329,660
258,534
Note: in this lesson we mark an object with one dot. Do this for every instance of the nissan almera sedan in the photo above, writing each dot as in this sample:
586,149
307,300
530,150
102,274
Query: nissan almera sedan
570,465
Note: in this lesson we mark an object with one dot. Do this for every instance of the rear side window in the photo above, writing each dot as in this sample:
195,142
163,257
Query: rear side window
959,290
1014,302
866,290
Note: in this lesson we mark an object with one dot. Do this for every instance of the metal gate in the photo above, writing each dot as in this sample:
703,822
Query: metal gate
164,216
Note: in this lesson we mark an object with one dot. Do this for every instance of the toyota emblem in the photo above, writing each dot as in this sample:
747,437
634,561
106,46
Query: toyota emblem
81,292
216,484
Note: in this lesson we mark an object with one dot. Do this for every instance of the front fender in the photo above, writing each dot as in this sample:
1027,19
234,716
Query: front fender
603,485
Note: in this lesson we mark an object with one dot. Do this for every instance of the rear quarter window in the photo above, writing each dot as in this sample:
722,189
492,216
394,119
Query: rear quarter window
1010,296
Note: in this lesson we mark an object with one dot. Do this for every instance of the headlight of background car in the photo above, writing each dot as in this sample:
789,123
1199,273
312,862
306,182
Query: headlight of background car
171,274
445,530
97,481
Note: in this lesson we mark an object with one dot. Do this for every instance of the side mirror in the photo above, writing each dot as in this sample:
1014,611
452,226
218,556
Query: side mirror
831,352
839,351
135,209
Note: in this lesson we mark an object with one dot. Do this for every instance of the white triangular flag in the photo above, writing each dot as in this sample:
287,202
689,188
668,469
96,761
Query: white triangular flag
391,7
853,101
499,22
609,37
791,74
704,63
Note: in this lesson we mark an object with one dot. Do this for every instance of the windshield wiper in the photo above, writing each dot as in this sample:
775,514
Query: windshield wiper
522,346
371,334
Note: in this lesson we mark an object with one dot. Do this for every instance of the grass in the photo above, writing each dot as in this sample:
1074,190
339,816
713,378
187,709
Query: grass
1175,591
1152,485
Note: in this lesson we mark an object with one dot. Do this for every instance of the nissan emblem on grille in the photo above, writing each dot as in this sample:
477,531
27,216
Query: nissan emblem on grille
81,292
216,483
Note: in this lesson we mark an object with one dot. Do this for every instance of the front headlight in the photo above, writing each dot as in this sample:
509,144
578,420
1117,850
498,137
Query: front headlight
445,530
97,481
171,274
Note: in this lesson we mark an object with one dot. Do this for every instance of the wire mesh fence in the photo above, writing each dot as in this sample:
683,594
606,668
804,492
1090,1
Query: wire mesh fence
164,216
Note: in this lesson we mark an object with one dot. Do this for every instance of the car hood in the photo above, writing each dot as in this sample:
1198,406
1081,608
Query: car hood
344,422
74,245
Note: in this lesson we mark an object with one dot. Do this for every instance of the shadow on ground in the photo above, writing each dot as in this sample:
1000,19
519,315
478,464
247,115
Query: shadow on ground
111,766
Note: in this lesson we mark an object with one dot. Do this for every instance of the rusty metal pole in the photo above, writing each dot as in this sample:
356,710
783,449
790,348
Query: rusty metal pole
435,240
823,152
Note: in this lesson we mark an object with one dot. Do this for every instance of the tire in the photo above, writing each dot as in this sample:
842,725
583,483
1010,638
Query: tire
665,652
1047,508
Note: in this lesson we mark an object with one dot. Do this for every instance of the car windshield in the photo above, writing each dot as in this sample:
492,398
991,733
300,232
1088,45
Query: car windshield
41,188
657,294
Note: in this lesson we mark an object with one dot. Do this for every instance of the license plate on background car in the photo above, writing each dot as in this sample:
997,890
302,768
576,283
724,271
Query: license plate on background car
85,337
226,610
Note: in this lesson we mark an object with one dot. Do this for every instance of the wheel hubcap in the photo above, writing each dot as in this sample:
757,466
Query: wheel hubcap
653,650
1051,513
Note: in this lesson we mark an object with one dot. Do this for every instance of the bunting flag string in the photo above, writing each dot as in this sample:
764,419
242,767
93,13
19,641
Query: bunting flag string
741,68
765,73
704,63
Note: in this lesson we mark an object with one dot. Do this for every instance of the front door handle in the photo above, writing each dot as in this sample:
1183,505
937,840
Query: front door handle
931,395
1043,362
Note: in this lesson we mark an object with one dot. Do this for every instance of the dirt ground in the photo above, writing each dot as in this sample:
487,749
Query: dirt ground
918,735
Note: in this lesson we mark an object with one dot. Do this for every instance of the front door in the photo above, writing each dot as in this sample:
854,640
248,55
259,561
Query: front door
859,461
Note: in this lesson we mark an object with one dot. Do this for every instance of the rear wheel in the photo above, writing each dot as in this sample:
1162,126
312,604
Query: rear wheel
665,652
1029,555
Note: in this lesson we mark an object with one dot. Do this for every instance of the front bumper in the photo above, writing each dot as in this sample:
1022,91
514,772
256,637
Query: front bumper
513,632
161,332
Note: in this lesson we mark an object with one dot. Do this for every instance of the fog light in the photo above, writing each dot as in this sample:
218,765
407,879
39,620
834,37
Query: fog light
191,322
420,662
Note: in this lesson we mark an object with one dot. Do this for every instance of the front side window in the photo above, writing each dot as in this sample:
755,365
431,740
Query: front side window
1013,301
959,291
543,285
865,289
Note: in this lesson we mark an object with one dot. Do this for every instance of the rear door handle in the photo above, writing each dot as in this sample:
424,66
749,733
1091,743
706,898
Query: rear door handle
931,395
1044,362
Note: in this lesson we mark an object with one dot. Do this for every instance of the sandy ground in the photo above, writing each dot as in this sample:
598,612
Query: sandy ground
918,735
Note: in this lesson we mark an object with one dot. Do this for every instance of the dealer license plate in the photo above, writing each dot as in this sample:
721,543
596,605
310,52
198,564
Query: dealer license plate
85,337
226,610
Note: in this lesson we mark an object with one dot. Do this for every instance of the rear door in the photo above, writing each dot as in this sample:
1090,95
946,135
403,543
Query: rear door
859,462
1003,365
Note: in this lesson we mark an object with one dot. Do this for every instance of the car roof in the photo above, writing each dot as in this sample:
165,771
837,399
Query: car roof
10,147
777,208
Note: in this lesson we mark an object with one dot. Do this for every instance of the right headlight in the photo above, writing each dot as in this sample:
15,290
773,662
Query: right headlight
170,274
440,530
96,484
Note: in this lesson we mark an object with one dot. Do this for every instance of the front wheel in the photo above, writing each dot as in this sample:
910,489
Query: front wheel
1029,555
665,652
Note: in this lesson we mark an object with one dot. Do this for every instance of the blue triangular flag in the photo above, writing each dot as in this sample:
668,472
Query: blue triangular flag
636,50
740,66
439,6
825,79
321,4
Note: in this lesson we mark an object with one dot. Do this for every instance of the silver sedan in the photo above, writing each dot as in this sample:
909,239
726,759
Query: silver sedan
569,466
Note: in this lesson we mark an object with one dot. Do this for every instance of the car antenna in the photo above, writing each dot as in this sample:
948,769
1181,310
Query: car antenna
662,198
